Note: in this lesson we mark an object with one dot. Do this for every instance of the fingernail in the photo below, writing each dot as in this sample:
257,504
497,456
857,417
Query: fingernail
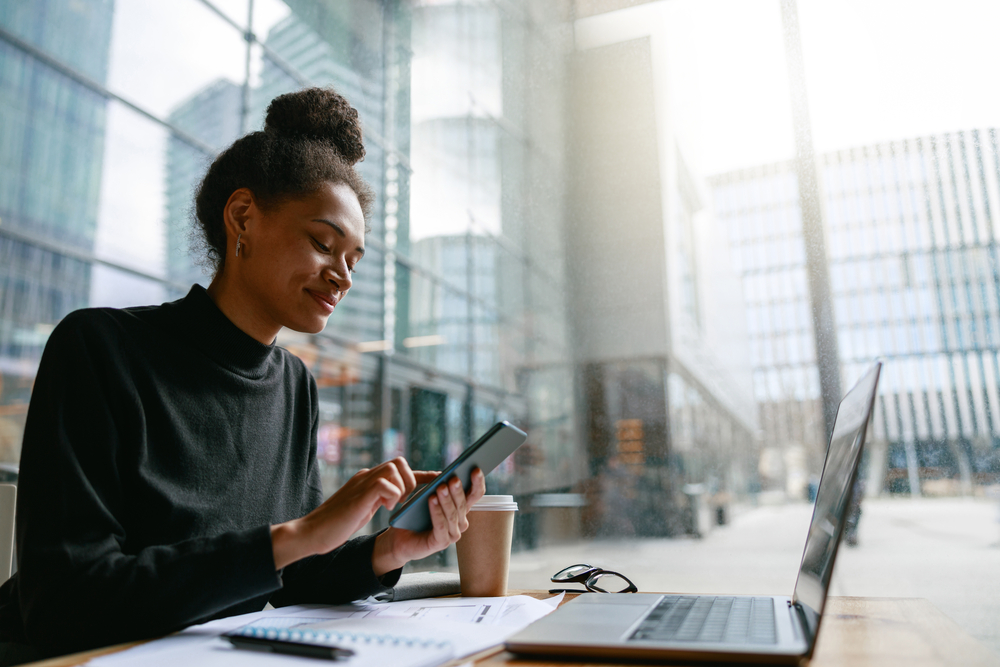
444,490
433,500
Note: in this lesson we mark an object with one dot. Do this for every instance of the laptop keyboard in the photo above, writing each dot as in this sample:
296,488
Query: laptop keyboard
739,620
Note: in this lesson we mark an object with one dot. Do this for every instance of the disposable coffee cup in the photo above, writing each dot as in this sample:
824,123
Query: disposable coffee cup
484,549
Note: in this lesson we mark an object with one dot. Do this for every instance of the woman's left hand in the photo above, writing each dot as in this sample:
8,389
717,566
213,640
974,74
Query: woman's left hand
448,508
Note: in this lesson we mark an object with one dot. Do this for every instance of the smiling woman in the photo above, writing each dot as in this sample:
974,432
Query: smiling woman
168,472
295,261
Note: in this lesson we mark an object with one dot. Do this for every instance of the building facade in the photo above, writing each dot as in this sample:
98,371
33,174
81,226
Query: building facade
912,236
213,116
52,129
476,300
666,409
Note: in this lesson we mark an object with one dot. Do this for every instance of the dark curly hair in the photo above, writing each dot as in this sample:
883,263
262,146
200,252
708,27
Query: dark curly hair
310,137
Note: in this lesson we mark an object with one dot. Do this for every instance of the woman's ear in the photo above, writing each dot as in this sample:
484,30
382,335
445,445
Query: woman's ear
238,211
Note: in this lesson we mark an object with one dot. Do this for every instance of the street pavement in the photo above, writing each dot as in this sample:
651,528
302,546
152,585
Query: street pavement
944,549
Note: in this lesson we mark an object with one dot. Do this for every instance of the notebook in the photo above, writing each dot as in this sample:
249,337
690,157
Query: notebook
375,649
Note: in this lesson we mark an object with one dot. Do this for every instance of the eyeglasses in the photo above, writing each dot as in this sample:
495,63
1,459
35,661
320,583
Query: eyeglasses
596,579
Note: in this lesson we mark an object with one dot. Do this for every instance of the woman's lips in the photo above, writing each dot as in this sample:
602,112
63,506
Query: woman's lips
326,301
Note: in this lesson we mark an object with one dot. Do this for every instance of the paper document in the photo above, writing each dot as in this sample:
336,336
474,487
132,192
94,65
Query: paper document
380,633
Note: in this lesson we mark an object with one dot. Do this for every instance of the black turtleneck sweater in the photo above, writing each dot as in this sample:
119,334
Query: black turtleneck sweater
161,443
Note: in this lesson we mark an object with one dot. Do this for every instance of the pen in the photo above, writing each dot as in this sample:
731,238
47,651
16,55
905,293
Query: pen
289,648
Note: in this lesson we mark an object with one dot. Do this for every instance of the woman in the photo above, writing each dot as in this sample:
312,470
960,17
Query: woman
168,472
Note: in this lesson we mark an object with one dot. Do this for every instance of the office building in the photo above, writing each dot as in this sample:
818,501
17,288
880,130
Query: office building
52,131
349,46
213,116
912,244
476,301
627,405
668,416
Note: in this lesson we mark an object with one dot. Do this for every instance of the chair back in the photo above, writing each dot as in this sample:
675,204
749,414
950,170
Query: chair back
8,504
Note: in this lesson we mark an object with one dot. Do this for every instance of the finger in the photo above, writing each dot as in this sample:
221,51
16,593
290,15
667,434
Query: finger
447,499
458,493
478,489
409,479
382,492
439,533
391,475
424,476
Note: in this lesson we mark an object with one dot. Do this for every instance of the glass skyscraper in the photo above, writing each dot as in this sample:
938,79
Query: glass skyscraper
912,237
213,116
469,306
52,128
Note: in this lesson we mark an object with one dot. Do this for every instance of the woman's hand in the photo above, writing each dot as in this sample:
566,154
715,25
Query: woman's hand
351,507
448,509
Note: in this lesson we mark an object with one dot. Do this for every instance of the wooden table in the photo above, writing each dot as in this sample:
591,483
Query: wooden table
856,632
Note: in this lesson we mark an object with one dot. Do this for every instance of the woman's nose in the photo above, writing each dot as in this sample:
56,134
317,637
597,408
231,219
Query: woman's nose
340,276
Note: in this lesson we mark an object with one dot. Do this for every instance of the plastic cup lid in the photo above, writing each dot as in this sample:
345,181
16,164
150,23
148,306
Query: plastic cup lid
495,504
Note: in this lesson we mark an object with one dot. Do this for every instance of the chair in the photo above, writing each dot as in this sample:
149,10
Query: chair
8,503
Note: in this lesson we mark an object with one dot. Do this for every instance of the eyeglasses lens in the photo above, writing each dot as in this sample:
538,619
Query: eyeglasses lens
572,573
609,582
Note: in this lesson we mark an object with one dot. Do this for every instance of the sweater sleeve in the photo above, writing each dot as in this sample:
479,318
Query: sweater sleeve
344,574
78,587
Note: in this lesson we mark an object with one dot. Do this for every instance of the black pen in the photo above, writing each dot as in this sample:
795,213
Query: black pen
289,648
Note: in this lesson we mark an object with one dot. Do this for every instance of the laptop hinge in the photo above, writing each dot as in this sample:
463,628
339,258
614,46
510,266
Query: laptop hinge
806,622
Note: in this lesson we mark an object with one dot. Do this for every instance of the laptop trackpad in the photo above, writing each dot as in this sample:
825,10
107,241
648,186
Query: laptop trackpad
604,619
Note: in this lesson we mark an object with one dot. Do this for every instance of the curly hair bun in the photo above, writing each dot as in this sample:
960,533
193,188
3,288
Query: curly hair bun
318,114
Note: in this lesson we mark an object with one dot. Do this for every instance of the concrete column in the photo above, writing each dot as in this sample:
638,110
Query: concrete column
912,470
813,233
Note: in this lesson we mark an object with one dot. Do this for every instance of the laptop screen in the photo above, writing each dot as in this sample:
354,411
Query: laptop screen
834,495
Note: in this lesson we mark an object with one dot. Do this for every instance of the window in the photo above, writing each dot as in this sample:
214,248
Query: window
597,234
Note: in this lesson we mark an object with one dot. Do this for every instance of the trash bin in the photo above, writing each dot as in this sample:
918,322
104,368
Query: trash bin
699,520
8,473
560,516
719,507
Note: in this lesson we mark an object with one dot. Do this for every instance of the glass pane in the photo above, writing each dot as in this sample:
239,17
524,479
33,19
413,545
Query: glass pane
589,221
234,10
360,314
134,181
163,55
72,32
438,330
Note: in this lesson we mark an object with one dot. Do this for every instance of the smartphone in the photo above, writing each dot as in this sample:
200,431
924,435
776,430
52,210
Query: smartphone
485,454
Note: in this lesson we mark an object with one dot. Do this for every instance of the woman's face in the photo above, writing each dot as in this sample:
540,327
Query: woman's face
299,257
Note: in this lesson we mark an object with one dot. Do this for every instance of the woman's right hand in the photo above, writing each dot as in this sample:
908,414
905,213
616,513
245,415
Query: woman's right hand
345,512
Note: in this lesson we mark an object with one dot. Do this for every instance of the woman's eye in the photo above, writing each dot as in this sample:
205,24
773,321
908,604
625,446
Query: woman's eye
321,246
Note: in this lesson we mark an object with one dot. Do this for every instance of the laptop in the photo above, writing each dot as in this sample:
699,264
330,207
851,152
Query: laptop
723,628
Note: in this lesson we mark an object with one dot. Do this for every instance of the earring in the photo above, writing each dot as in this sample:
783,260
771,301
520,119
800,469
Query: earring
238,244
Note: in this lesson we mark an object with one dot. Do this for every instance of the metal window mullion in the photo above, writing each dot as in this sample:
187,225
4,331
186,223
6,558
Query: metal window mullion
992,241
966,283
299,78
101,90
507,245
879,260
987,337
438,279
944,353
74,252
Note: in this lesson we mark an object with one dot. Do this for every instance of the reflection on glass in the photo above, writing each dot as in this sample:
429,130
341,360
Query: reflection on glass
556,239
214,116
161,55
